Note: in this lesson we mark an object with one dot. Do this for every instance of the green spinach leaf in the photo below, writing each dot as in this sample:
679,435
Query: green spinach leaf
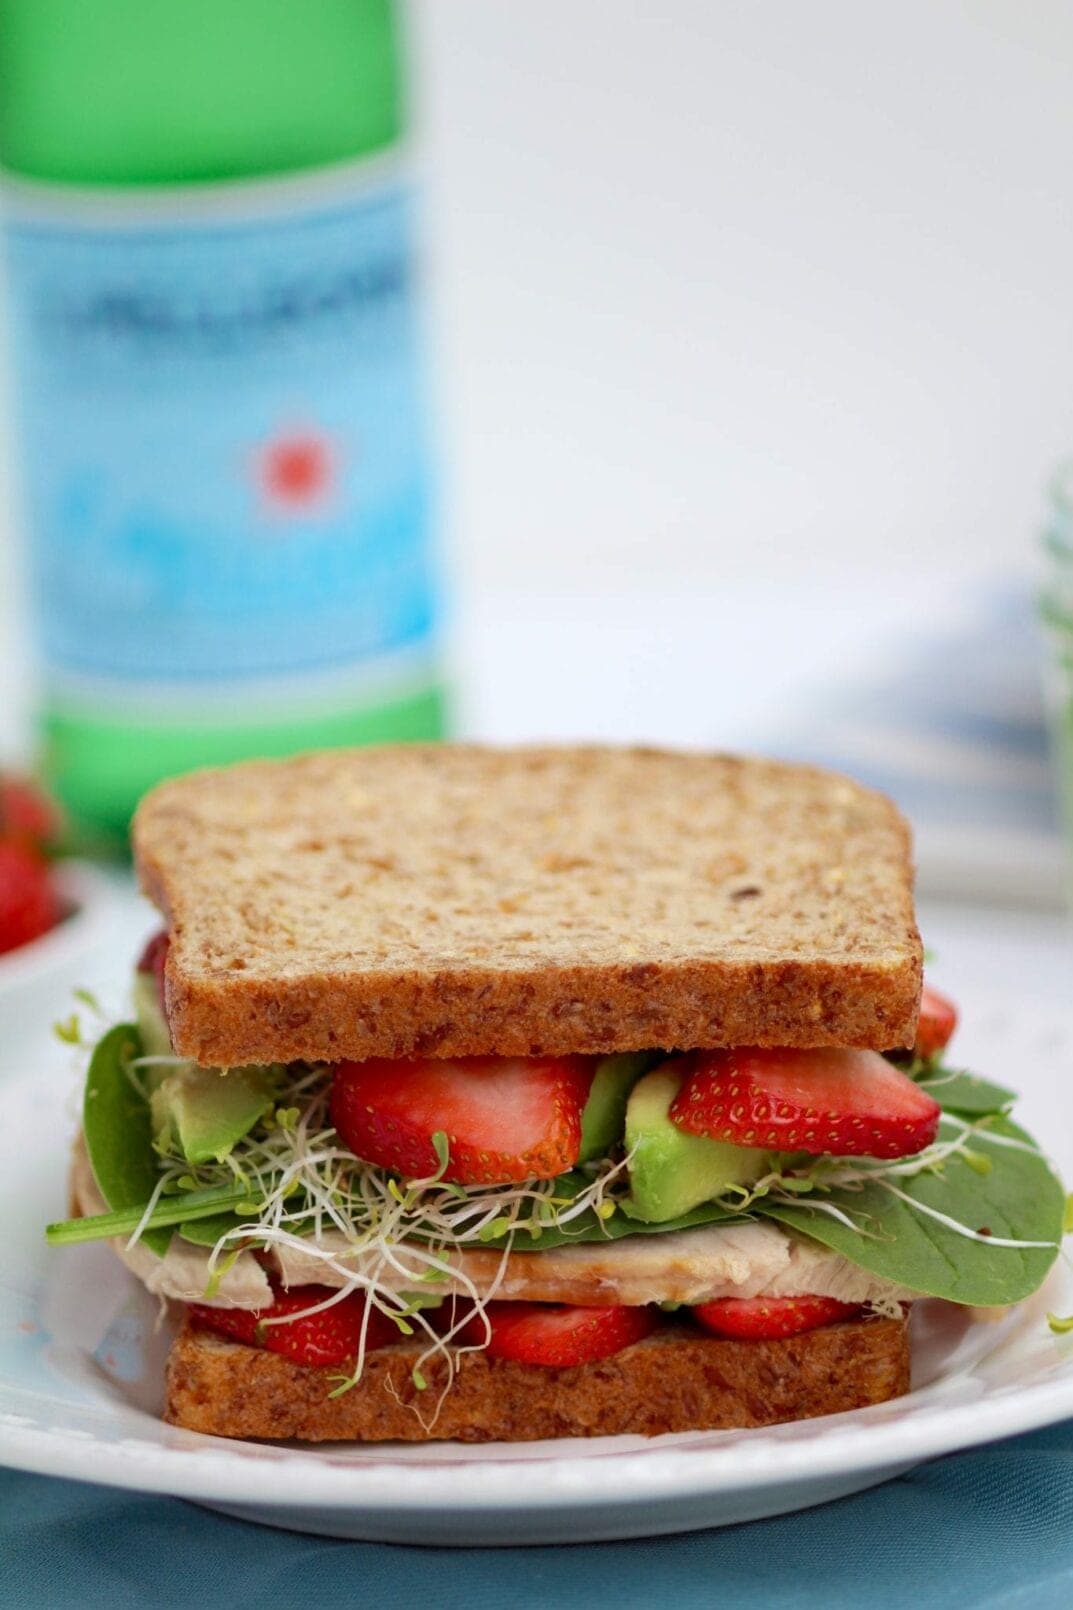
170,1211
118,1131
589,1227
1019,1199
966,1093
206,1232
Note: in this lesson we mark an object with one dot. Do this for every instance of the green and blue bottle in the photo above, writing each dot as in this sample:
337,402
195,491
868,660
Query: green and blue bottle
211,267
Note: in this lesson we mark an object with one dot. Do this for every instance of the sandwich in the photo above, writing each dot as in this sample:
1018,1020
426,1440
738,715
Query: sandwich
510,1094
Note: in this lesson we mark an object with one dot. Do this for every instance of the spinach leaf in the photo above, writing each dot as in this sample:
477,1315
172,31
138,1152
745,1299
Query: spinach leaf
961,1092
206,1232
588,1227
118,1131
170,1211
1019,1199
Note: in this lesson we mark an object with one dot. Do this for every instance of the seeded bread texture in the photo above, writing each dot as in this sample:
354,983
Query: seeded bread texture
678,1380
455,900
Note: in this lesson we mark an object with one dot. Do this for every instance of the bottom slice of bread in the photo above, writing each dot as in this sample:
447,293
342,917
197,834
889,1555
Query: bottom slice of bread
677,1380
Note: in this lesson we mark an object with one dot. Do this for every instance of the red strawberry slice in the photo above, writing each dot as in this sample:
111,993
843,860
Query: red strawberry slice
557,1336
938,1020
505,1118
152,960
28,903
761,1318
846,1103
331,1336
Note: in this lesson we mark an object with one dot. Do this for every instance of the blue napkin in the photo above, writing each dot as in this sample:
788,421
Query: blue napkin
987,1528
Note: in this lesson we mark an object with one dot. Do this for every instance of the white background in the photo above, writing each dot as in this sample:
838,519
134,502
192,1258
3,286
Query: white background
730,289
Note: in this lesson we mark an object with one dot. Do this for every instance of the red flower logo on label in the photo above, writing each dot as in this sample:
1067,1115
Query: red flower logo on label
296,472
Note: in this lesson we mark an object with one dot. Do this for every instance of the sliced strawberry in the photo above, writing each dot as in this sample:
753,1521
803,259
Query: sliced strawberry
29,906
505,1118
152,960
27,813
554,1335
938,1020
761,1318
847,1103
331,1336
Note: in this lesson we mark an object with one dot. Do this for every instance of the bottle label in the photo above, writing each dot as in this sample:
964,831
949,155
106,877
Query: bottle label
223,431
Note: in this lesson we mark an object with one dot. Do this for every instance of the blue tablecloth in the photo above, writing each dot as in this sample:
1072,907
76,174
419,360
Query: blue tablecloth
991,1527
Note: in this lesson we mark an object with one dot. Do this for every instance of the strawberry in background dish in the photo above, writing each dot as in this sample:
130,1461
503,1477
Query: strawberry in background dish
27,814
29,826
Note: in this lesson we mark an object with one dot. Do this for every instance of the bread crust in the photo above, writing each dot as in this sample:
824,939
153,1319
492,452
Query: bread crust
677,1380
453,900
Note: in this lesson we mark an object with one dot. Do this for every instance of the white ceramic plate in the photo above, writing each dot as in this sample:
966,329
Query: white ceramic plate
80,1361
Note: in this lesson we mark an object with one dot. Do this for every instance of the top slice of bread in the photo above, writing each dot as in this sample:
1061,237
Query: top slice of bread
454,900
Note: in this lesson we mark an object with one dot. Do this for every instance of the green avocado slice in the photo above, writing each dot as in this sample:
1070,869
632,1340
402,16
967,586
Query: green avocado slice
206,1111
603,1117
670,1170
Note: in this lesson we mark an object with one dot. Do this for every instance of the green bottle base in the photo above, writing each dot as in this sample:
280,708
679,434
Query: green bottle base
100,768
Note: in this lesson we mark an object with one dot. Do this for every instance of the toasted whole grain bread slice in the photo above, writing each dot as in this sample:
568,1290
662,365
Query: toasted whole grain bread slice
677,1380
454,900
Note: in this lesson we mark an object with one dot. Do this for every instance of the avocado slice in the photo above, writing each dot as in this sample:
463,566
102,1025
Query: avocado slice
672,1171
205,1111
603,1116
152,1024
